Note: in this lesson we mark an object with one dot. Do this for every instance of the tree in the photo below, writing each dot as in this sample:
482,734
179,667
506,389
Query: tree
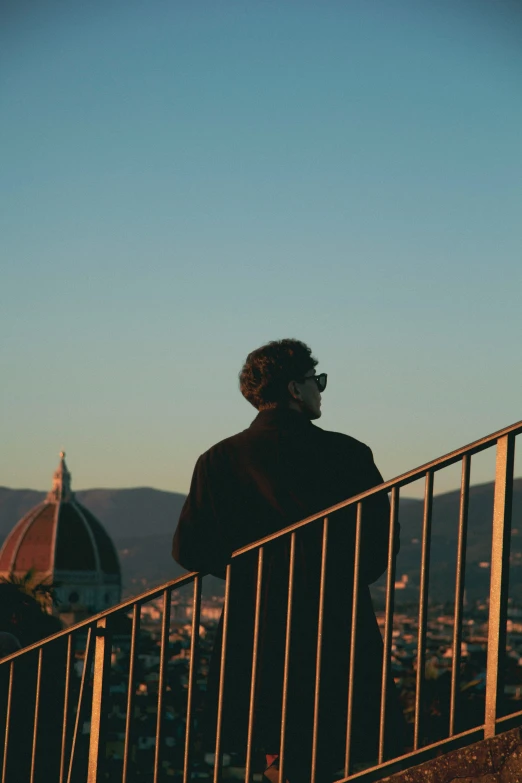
42,592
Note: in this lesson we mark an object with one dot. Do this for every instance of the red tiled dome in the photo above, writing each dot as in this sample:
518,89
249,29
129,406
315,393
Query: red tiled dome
30,543
63,541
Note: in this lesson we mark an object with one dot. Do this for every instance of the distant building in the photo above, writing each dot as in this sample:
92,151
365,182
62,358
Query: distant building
66,545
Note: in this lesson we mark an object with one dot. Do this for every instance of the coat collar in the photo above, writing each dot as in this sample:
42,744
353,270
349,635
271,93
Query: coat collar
281,419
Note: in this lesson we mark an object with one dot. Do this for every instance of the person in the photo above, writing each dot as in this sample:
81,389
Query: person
23,621
8,644
282,469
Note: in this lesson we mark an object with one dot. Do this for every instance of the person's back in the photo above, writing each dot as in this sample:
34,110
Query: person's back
280,470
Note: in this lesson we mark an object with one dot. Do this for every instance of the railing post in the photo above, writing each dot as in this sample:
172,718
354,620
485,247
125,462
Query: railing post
423,610
353,638
286,670
102,653
253,680
320,623
7,720
194,653
459,593
498,590
388,623
218,760
66,707
36,712
162,683
131,691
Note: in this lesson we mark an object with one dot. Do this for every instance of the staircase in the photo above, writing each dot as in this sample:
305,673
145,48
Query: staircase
118,697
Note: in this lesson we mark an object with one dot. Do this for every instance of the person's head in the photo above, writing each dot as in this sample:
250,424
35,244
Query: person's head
281,374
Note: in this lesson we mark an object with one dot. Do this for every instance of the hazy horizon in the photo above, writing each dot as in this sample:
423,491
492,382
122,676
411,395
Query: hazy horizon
414,495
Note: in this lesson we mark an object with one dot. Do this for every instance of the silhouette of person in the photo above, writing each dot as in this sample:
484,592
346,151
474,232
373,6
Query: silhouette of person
8,644
23,622
280,470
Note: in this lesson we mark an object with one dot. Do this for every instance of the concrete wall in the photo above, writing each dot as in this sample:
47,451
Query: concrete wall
496,760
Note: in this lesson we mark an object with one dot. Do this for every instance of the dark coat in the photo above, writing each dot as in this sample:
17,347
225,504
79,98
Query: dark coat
280,470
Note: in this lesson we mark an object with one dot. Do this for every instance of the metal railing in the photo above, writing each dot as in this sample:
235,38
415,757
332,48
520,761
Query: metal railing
80,747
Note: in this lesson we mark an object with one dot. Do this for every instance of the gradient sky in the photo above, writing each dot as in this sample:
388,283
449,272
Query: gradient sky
184,181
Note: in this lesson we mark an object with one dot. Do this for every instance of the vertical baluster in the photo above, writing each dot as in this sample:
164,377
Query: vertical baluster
498,591
459,590
131,690
320,623
85,674
65,707
194,649
286,670
36,712
353,639
7,720
226,606
160,718
102,661
423,606
255,649
388,619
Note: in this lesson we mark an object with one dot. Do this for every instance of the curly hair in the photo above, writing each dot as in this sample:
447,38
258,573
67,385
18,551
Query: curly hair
268,370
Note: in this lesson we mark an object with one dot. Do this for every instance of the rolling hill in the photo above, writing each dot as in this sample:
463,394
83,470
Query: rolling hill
142,520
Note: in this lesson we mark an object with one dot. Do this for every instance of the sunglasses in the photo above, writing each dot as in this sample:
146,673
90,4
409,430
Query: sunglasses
320,380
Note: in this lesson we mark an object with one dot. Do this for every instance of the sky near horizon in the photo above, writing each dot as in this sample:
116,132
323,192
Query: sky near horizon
184,181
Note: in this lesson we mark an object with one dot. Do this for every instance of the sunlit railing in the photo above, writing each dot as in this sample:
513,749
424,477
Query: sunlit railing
40,684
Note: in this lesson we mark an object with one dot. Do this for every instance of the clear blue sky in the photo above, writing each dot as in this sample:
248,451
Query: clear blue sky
184,181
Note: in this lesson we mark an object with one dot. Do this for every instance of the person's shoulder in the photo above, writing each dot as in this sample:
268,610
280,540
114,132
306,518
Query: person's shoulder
341,441
223,447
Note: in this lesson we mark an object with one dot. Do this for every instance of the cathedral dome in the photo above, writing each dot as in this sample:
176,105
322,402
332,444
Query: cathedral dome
64,543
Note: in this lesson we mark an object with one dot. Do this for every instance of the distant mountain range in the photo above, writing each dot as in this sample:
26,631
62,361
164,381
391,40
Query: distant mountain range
142,520
139,512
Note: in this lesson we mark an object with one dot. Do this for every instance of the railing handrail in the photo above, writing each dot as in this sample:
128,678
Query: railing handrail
92,620
403,479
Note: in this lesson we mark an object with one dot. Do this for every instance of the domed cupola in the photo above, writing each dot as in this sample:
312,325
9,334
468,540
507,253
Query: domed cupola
64,543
